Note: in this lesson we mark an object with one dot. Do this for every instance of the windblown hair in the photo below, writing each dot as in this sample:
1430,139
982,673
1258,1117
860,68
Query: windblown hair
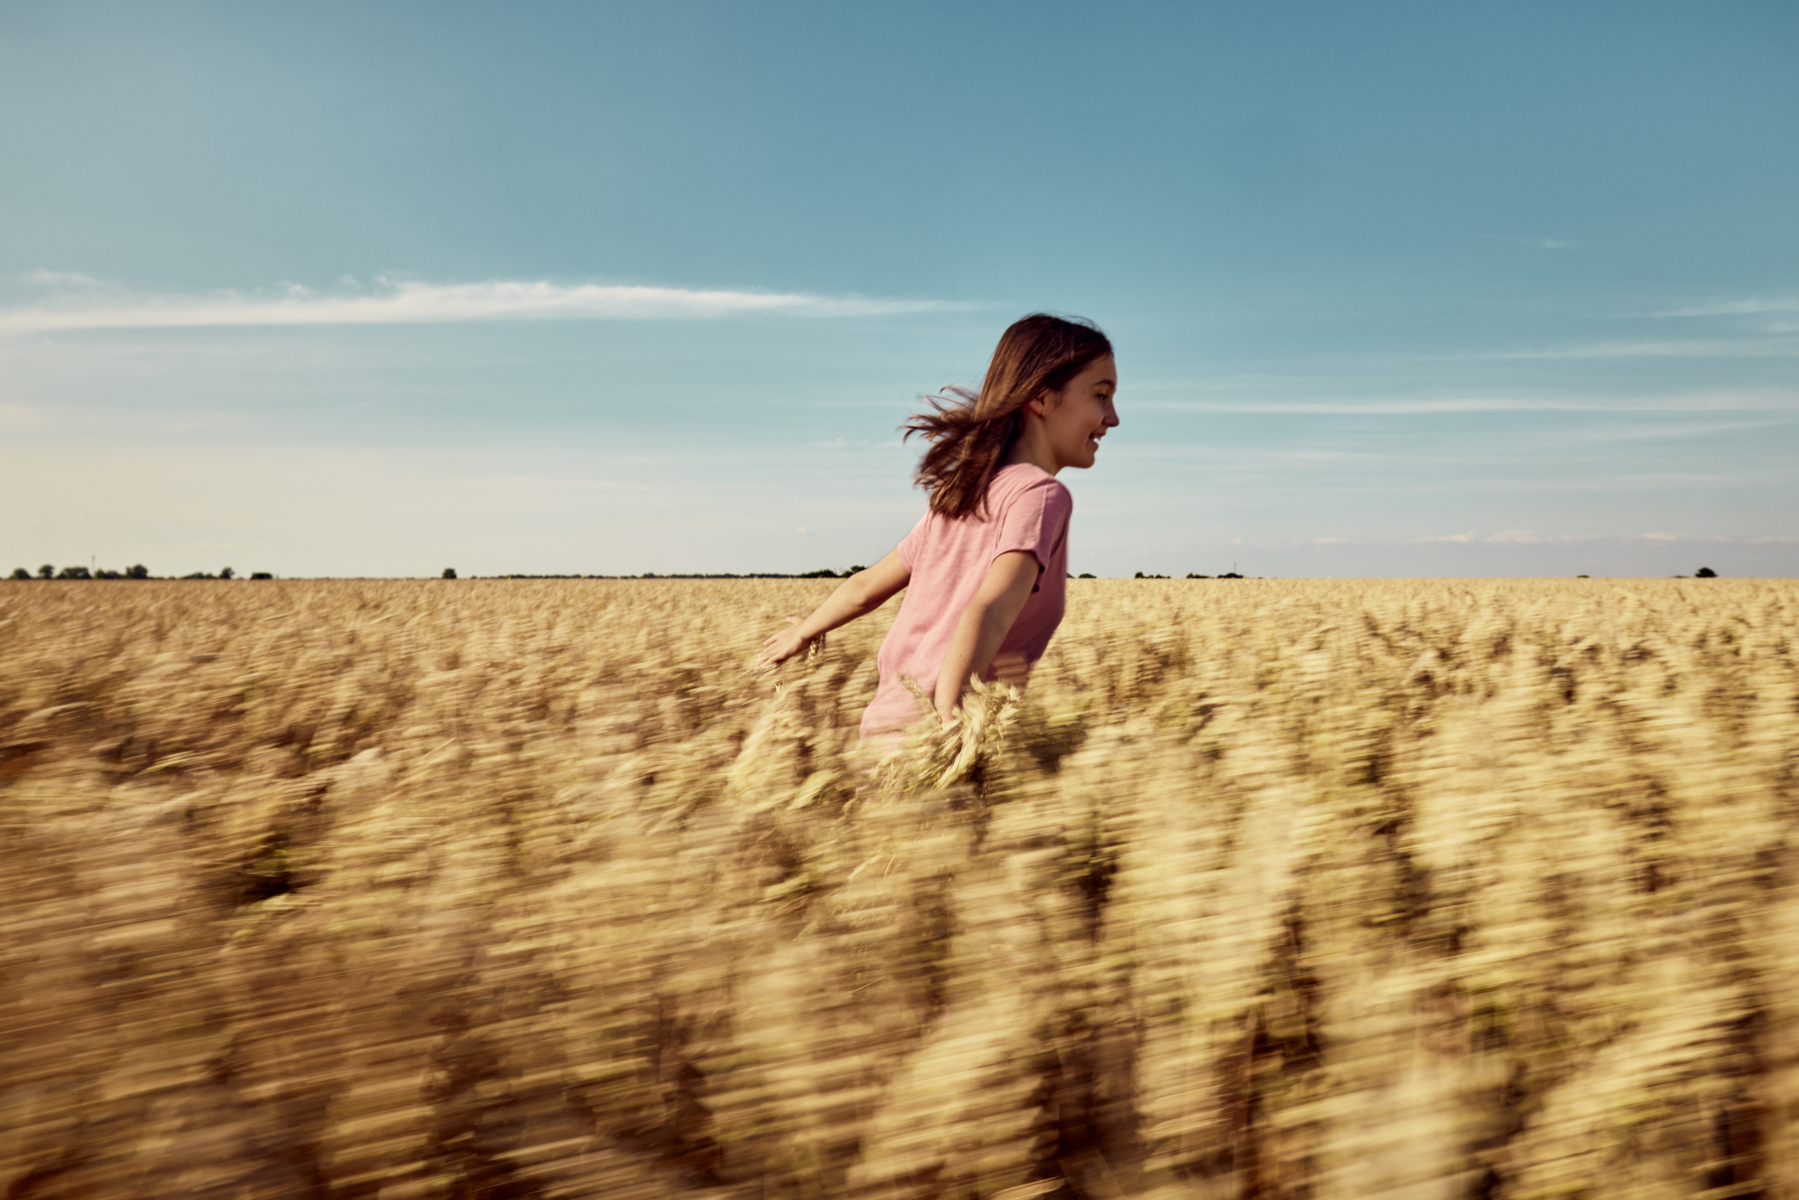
971,434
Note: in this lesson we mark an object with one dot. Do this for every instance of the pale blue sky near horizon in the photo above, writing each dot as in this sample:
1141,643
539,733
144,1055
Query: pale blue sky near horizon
1397,289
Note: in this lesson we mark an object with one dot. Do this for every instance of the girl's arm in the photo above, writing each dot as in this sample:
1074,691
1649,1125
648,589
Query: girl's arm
984,625
856,596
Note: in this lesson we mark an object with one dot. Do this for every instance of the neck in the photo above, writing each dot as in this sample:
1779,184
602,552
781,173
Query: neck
1032,447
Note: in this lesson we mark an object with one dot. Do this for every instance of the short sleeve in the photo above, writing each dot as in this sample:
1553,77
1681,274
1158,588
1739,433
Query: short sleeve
911,544
1035,520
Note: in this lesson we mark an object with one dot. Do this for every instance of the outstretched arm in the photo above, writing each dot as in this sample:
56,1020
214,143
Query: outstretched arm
856,596
984,625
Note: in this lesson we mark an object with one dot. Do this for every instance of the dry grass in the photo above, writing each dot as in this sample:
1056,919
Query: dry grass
516,889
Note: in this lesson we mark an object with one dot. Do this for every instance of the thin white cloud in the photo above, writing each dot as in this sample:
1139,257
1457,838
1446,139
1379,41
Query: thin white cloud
1661,537
1721,401
1733,308
1450,537
426,303
59,279
1539,243
547,483
1687,348
1353,407
1515,537
1615,432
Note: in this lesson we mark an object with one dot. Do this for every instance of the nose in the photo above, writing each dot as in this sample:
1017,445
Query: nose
1111,415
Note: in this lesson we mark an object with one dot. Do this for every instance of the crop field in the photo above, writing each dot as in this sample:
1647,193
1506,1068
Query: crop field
508,889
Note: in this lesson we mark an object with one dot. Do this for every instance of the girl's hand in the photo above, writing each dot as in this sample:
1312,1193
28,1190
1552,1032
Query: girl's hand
782,646
861,593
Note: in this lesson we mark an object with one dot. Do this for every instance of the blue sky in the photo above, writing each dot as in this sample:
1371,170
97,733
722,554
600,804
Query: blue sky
1398,289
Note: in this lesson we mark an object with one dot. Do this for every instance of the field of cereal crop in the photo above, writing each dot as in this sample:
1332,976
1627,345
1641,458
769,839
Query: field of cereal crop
1265,889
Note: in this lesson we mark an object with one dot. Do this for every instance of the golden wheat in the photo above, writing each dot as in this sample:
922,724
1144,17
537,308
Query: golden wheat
1263,889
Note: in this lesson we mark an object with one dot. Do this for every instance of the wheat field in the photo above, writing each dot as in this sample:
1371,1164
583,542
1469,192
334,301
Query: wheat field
1263,889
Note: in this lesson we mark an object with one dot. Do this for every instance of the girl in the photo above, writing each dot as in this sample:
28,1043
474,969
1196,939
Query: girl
984,569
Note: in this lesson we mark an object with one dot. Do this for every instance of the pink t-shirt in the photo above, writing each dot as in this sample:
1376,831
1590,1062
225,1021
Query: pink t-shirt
1026,510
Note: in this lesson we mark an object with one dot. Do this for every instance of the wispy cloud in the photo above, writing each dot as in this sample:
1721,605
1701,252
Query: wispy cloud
1357,407
411,303
1526,537
1717,401
1734,308
59,279
1619,432
1683,348
1538,243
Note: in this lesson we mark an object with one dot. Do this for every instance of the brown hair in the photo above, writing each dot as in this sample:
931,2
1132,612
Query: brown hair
971,435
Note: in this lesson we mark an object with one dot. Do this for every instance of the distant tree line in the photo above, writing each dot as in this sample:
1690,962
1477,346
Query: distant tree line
140,571
47,571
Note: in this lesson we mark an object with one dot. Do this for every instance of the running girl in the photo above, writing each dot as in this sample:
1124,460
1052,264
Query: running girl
985,568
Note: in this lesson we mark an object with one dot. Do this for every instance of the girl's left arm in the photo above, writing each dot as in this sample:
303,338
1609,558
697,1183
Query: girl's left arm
856,596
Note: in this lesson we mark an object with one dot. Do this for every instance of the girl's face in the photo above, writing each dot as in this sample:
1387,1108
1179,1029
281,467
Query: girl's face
1076,417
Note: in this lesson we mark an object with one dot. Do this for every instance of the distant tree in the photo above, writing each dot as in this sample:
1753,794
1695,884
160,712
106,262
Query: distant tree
140,571
856,570
227,573
1191,575
1230,575
199,575
20,573
1705,573
1086,575
46,572
260,575
449,572
107,573
1583,577
1138,575
74,573
821,573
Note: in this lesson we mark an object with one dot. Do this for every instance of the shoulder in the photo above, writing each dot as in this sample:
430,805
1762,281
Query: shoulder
1024,480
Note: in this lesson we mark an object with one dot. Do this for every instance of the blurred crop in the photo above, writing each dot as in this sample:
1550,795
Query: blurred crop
1263,889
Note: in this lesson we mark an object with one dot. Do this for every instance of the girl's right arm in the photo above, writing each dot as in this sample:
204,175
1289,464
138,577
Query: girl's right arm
856,596
983,626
